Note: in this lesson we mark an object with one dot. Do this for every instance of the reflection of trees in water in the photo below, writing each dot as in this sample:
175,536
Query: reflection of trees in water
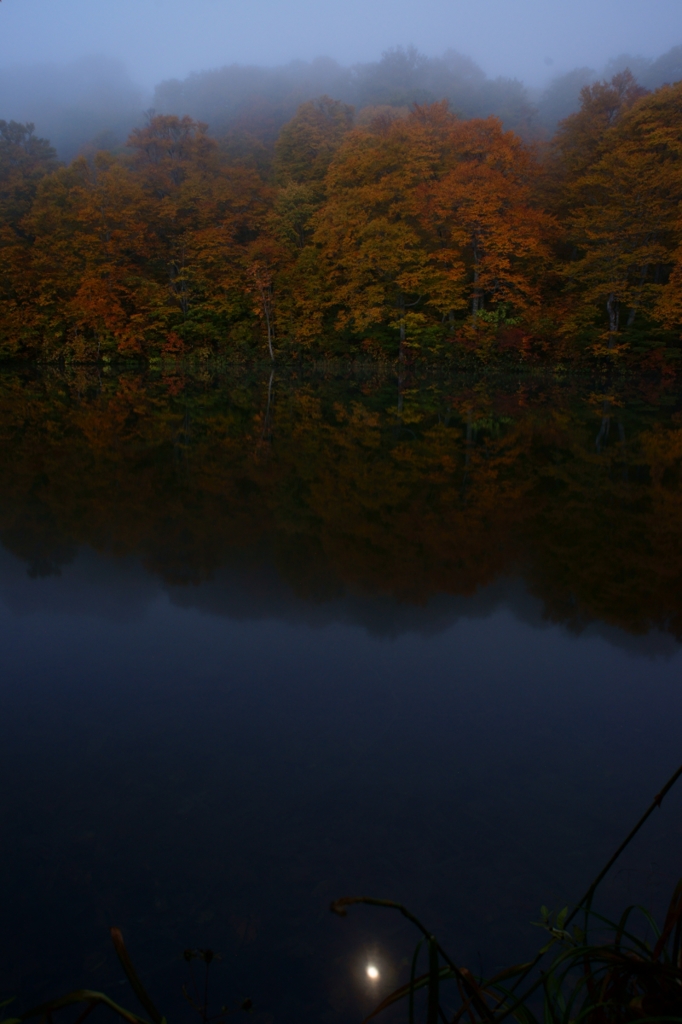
344,493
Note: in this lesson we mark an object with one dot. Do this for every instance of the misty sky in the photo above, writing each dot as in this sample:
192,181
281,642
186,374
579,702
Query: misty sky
164,38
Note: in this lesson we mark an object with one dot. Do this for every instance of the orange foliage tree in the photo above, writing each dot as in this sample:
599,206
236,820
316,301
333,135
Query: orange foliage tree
397,231
621,206
428,216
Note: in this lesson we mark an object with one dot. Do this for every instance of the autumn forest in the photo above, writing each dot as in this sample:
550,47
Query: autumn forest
395,234
340,514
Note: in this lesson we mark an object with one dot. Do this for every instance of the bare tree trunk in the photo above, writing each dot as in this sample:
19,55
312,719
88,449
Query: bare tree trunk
635,305
476,298
265,299
614,316
269,325
401,350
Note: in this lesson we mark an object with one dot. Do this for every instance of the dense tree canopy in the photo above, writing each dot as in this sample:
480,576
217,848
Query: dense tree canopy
406,233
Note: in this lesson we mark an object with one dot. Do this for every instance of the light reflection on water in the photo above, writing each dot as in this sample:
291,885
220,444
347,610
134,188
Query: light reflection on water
210,764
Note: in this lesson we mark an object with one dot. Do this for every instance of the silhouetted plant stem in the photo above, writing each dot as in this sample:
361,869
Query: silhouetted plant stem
131,975
621,974
83,995
338,907
656,802
586,900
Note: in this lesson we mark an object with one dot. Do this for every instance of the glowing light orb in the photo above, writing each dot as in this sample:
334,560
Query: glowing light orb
372,972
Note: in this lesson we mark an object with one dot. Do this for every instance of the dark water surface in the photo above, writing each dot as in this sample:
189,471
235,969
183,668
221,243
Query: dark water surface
269,642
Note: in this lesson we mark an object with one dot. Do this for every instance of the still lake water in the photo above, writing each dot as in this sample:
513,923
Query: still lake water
268,642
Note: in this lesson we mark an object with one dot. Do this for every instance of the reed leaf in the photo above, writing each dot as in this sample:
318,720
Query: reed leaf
131,974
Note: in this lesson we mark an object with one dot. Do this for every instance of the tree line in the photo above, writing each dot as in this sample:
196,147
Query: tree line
396,234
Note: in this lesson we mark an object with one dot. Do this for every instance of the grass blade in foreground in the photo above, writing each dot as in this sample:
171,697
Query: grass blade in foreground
94,999
620,981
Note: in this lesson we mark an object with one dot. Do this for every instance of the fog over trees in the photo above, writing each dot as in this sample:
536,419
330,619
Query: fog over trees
561,96
93,103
